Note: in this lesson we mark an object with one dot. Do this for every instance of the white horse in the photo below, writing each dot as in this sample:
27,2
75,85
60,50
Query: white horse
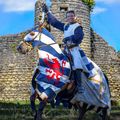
52,74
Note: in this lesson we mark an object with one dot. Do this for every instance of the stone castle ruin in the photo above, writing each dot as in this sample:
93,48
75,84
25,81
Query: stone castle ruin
16,69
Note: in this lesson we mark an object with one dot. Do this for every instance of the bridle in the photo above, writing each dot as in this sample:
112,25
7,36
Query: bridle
29,45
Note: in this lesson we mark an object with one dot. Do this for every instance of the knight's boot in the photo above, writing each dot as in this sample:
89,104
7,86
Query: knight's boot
79,80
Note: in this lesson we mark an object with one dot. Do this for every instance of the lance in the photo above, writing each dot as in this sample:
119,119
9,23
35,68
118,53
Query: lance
48,3
43,13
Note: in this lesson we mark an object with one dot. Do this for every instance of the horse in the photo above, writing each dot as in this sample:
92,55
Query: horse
51,78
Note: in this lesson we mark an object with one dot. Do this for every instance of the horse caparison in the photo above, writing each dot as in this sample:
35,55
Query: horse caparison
65,95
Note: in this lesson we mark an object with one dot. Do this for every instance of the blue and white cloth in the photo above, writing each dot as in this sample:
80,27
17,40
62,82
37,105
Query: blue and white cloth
73,34
53,64
81,61
96,90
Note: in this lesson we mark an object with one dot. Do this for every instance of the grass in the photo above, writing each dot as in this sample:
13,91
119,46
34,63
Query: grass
21,111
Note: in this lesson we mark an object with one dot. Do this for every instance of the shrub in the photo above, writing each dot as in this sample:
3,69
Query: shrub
90,3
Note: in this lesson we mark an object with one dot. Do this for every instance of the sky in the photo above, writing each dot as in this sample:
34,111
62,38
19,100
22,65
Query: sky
105,20
17,16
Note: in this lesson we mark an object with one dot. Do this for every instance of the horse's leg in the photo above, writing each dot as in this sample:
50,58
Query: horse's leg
103,115
82,111
34,94
52,103
39,112
32,103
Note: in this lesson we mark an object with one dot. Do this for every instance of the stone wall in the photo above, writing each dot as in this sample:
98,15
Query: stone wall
15,70
107,58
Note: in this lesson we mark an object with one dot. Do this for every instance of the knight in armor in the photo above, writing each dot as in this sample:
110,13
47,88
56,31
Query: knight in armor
73,36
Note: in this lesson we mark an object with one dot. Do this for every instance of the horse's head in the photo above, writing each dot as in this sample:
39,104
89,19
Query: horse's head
32,39
26,45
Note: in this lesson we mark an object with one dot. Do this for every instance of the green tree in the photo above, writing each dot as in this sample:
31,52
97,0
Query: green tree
90,3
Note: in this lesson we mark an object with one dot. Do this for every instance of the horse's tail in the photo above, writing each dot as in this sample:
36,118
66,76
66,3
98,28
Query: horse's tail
107,80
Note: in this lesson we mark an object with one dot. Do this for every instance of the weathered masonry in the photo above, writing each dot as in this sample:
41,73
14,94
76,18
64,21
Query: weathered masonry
16,69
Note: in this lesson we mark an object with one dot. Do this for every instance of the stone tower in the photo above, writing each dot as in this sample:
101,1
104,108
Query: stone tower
59,8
